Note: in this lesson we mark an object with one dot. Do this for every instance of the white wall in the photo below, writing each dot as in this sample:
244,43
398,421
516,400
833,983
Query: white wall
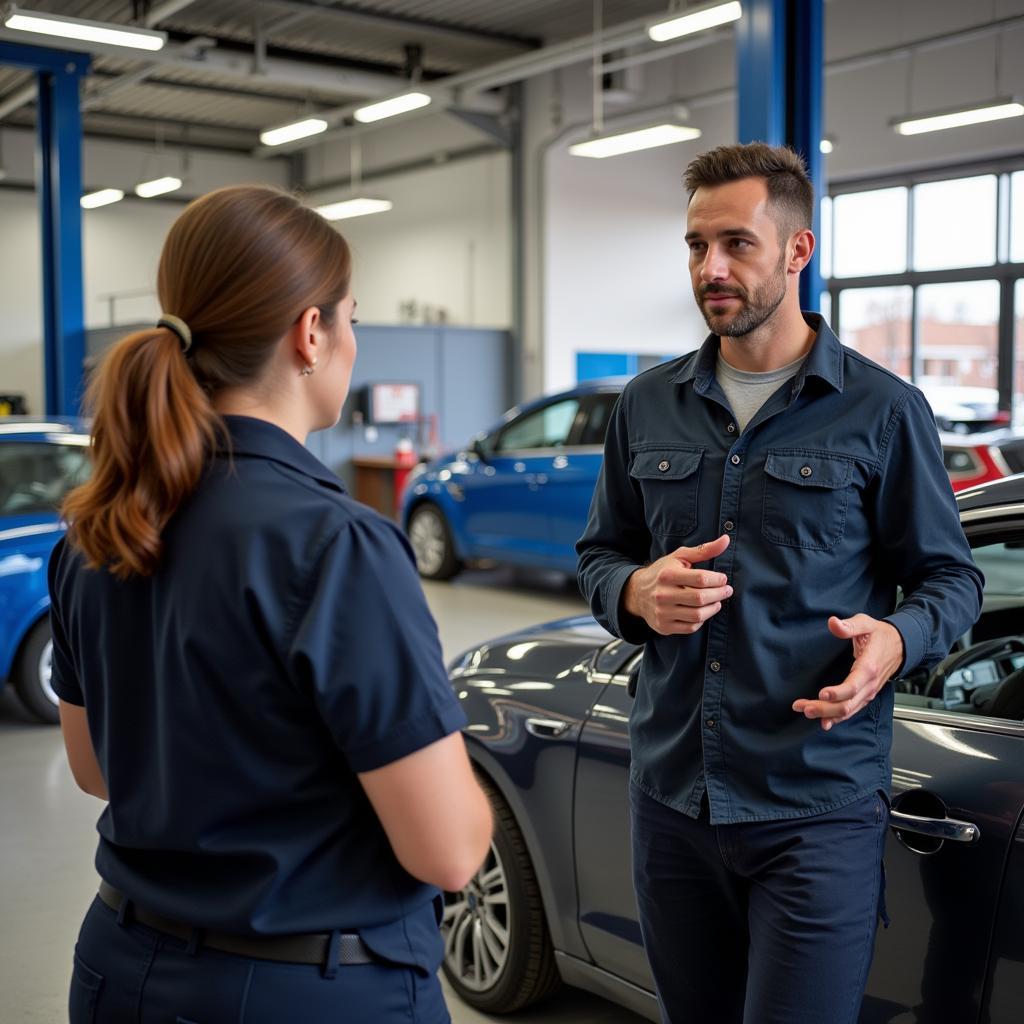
120,243
446,243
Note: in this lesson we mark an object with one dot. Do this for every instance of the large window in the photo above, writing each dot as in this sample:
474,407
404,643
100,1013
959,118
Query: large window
1018,370
876,322
921,274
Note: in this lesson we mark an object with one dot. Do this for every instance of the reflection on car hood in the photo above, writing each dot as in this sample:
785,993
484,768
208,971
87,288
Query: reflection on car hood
1007,491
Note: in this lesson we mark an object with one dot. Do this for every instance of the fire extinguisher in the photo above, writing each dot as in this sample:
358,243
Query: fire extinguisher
405,459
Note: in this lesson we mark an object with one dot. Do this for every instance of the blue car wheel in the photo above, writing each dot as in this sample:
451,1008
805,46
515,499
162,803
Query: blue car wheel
32,672
432,544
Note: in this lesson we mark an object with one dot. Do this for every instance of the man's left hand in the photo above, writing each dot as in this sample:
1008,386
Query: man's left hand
877,654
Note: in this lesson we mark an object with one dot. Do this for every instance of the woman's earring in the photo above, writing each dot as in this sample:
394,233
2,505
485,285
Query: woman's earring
307,370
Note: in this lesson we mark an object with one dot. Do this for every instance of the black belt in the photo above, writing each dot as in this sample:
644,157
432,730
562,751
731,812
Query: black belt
310,948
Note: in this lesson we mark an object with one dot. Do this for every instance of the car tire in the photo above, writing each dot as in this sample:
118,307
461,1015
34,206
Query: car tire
498,952
31,676
432,544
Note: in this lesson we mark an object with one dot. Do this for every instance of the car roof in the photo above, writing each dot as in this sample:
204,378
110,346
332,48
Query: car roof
35,428
1004,435
1009,490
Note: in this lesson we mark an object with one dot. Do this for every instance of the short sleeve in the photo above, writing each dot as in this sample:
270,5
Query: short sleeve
64,675
367,647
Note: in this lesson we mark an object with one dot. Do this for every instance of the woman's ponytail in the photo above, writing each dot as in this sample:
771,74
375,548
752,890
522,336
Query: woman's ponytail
153,429
238,268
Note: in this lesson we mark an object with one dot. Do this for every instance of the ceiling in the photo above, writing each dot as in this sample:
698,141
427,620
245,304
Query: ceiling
268,61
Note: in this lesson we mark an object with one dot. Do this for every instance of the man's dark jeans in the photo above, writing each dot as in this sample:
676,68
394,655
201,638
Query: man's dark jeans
759,923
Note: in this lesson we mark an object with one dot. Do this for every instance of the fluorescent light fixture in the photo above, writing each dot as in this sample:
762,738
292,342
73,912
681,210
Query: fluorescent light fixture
695,21
389,108
354,208
296,130
958,118
157,187
47,24
104,197
826,146
630,142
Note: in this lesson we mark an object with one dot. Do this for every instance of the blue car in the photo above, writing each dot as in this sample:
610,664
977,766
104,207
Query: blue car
40,461
520,493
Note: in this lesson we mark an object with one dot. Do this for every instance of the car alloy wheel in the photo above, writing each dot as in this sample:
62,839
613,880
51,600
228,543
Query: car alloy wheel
33,674
431,542
497,950
476,927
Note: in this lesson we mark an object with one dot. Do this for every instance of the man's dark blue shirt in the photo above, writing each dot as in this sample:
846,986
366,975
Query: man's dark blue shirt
834,497
283,646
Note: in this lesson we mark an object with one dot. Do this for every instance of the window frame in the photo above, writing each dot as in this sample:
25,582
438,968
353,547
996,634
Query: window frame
1005,273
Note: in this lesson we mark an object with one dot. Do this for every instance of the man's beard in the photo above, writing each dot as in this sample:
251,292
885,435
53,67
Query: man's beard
756,308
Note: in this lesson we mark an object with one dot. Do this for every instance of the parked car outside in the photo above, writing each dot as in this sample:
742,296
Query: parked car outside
962,409
978,458
40,461
520,493
548,712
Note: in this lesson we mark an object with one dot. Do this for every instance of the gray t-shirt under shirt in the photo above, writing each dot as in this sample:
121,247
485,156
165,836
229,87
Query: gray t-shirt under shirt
747,392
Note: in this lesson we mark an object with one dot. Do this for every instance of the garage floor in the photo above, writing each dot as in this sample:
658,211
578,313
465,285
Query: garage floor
47,827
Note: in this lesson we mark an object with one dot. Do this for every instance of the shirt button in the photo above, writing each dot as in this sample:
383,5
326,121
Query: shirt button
710,723
715,666
806,471
731,428
728,525
663,465
735,460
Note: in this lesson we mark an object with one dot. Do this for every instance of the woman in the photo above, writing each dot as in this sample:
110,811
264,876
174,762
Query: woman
247,669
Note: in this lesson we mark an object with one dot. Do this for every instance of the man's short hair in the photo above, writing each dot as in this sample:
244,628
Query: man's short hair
790,192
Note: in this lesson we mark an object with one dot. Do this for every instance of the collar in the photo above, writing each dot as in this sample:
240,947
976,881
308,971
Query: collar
825,360
264,440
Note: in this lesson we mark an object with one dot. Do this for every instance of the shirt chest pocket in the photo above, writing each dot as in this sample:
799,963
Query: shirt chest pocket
806,496
669,479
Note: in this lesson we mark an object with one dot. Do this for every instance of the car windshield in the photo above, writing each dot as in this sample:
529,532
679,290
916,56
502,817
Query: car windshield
35,476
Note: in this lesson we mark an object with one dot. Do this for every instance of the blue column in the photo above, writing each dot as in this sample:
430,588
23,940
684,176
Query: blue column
779,60
761,71
59,186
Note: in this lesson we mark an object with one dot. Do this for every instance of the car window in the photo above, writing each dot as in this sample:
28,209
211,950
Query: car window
959,460
547,427
34,477
598,413
984,673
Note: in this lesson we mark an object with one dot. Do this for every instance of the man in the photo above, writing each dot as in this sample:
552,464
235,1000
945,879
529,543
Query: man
761,501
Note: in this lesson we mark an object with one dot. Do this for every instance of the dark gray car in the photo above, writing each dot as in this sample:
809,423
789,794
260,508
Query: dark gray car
548,711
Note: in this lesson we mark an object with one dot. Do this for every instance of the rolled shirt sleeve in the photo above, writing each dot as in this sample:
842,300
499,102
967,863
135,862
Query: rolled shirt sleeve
367,647
922,542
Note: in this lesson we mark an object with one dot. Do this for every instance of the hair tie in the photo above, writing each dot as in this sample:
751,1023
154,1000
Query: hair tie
178,327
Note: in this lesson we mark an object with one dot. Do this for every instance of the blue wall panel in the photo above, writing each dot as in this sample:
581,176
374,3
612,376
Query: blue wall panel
463,377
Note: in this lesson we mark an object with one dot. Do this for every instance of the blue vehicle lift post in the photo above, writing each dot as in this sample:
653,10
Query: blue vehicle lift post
59,185
779,71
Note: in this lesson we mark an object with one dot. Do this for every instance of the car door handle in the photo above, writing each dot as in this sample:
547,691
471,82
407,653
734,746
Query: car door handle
937,828
546,728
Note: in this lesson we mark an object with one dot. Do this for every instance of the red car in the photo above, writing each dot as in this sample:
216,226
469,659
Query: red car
978,458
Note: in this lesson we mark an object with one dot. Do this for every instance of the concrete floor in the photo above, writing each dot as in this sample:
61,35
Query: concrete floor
47,826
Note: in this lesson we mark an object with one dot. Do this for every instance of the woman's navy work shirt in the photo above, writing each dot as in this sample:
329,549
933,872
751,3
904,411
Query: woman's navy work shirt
283,645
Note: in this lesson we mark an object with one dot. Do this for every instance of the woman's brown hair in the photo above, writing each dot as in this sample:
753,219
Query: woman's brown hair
239,266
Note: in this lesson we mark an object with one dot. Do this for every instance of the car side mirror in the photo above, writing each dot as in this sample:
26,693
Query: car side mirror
479,449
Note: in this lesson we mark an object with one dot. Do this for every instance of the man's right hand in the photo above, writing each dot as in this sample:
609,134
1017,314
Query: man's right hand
673,597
